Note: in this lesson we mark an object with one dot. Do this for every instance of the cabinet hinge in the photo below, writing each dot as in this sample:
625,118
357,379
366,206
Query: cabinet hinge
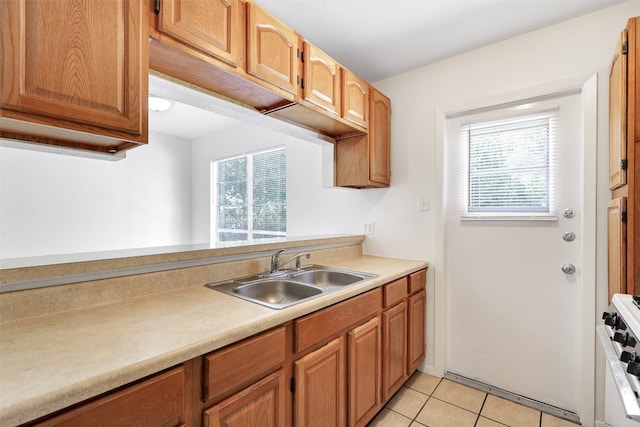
625,48
302,56
623,216
156,7
624,164
293,385
302,83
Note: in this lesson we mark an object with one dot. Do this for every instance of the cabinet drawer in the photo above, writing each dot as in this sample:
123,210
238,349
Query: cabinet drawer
157,401
324,324
239,364
417,281
395,291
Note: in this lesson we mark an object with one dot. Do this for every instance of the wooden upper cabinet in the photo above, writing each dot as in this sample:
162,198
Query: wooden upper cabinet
379,138
272,50
355,99
617,245
321,79
618,115
75,65
211,26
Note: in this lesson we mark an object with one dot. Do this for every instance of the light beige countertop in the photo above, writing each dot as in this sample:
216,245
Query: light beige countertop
53,361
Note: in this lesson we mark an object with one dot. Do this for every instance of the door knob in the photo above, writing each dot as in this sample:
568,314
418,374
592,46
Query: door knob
568,268
569,236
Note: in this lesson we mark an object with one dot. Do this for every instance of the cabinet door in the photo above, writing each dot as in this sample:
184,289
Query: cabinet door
262,404
320,387
83,61
618,115
355,99
321,84
617,242
394,349
380,138
364,349
212,26
158,401
272,50
416,324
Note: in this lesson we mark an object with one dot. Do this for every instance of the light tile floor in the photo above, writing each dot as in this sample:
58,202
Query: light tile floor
434,402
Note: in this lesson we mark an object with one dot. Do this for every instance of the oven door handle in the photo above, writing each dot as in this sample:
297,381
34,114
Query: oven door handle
627,395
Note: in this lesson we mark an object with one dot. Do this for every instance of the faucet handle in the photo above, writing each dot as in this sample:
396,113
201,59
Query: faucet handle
298,256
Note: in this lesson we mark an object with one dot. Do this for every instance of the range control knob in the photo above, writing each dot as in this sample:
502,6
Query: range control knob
634,368
610,319
624,339
627,356
618,323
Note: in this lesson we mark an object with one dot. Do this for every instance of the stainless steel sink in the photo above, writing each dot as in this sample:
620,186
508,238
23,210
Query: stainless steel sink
288,287
276,292
326,277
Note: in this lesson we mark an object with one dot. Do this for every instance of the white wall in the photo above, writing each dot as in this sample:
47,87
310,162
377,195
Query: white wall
579,47
55,204
312,208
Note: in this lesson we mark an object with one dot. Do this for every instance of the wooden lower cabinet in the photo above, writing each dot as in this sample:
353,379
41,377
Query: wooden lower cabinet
364,373
417,311
334,367
262,404
157,401
394,351
320,387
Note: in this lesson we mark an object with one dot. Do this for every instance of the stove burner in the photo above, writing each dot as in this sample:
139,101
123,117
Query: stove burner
636,300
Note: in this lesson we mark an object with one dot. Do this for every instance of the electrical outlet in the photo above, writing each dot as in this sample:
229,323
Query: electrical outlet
369,228
423,203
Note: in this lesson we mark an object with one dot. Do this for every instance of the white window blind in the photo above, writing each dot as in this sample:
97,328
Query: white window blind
250,196
511,166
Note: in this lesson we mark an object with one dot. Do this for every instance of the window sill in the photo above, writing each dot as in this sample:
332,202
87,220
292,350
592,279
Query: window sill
515,217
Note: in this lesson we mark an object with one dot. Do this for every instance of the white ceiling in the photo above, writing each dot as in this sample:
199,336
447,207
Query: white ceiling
381,38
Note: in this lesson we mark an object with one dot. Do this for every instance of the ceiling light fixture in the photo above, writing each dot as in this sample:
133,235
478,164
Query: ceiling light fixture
159,104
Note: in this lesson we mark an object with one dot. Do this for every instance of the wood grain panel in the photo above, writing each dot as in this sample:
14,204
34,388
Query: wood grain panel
79,60
380,139
417,281
395,291
272,50
322,325
157,401
321,79
262,404
394,350
618,115
320,387
617,247
364,353
417,311
239,364
212,26
355,99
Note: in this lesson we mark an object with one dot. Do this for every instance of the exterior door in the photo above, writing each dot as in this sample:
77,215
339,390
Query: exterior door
513,316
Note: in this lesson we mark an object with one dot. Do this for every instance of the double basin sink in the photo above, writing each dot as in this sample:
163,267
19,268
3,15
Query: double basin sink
284,288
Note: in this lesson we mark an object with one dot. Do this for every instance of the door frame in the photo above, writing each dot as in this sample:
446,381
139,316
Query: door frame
587,87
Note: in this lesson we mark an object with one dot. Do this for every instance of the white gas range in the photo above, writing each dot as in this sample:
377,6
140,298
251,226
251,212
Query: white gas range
620,339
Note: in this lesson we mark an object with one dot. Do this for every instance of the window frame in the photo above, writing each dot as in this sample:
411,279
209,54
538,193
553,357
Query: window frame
250,231
514,114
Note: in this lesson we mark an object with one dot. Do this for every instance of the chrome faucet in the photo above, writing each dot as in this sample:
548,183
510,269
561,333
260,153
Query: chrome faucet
275,260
